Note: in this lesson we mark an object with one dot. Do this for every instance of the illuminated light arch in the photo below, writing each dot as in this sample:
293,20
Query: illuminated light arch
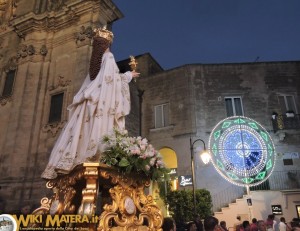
242,151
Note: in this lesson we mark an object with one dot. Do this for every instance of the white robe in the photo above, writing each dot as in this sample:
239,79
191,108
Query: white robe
99,106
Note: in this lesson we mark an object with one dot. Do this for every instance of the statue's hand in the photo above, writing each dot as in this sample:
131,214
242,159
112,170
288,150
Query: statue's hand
135,74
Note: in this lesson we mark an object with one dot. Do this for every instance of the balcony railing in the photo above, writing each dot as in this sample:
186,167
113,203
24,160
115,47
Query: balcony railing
279,180
283,122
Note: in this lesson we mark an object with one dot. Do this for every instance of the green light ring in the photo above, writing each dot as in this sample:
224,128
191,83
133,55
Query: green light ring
269,162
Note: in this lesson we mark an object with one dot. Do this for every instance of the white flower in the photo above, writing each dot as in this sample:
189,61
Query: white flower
124,132
144,141
152,161
160,163
119,145
149,153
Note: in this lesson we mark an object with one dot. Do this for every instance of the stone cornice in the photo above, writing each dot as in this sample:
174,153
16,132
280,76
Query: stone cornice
70,13
109,6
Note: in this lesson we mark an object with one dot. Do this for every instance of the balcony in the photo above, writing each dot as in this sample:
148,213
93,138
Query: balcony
278,181
284,122
281,180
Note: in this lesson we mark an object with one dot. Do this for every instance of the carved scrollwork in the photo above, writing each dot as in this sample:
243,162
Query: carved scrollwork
7,12
43,50
44,209
54,128
61,82
11,65
4,101
64,192
130,207
30,50
84,33
55,5
84,36
26,50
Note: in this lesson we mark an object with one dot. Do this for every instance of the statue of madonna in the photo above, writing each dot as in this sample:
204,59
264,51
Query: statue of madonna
101,104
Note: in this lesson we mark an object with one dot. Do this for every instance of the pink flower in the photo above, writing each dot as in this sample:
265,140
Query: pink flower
143,147
147,167
143,157
135,150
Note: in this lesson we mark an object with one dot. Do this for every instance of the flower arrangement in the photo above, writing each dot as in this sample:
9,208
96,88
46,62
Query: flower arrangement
132,154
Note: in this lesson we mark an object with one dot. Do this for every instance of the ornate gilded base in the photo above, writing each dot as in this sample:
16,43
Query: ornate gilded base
100,198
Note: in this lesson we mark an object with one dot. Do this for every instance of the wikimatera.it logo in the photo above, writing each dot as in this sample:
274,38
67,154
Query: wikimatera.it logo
45,222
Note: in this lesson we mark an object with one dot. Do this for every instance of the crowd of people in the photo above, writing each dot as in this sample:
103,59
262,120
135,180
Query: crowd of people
211,223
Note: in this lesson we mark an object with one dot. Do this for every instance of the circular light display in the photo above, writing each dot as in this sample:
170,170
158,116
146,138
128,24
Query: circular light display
242,151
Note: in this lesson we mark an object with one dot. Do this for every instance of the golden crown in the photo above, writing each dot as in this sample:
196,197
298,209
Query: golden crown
103,33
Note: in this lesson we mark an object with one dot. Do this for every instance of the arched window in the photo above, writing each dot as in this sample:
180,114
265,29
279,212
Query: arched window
169,157
170,160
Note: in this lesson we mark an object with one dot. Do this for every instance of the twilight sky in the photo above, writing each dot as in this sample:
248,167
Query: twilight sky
178,32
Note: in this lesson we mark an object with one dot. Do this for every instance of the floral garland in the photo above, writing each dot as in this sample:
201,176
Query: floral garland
132,154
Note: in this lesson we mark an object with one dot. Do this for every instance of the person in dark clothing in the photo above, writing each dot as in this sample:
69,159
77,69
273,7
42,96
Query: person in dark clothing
169,224
223,225
198,223
210,223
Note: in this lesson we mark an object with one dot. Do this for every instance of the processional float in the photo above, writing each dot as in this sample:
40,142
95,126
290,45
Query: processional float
100,198
97,196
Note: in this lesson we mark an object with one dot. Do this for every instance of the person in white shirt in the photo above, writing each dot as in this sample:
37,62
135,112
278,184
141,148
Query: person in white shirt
282,224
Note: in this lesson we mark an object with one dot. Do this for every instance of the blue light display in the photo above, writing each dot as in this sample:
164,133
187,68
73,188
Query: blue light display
242,151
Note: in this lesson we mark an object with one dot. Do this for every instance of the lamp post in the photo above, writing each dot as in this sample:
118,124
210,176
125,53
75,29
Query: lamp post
205,158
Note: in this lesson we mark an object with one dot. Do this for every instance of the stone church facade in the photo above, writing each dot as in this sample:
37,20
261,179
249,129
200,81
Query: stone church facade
45,47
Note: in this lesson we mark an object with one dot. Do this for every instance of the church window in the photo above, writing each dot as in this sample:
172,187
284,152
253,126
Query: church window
56,108
7,87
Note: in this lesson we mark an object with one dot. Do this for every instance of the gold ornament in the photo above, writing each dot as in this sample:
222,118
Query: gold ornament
133,64
126,208
103,33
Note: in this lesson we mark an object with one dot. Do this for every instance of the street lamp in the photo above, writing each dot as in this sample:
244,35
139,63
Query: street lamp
205,157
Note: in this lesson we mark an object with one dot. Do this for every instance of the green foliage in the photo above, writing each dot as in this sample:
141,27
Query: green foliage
132,155
181,204
164,188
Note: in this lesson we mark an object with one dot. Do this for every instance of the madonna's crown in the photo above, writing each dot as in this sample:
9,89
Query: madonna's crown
103,33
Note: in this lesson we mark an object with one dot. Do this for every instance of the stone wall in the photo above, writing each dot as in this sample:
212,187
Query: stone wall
50,49
196,95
